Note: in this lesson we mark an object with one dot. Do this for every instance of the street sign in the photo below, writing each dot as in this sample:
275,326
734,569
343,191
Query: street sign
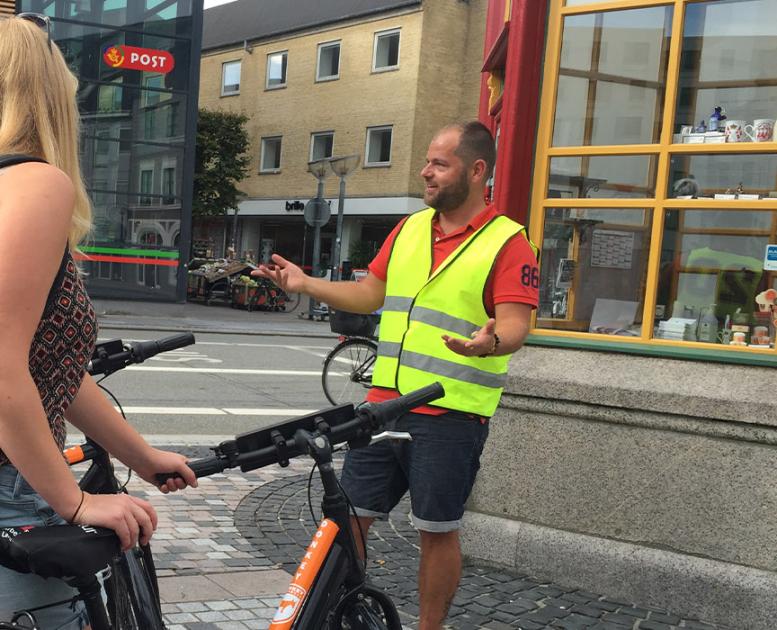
317,212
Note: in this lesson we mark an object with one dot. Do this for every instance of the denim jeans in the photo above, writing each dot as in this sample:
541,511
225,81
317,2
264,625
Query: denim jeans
21,505
438,467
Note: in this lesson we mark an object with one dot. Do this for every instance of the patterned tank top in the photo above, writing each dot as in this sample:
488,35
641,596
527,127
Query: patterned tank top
62,346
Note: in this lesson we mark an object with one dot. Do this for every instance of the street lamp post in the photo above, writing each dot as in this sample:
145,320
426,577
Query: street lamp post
319,169
342,167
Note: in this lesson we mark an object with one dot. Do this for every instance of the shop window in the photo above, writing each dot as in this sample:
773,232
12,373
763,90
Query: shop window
602,176
661,234
276,70
608,94
328,66
385,54
270,159
594,268
230,78
728,60
712,271
379,146
321,145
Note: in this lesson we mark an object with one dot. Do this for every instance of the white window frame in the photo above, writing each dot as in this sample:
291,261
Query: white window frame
367,163
378,35
262,153
224,73
267,85
318,134
322,46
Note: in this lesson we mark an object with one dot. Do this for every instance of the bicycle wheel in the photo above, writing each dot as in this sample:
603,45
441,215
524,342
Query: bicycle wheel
347,373
369,609
133,600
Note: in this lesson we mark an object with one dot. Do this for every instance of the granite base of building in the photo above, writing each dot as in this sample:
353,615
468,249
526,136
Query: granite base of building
650,480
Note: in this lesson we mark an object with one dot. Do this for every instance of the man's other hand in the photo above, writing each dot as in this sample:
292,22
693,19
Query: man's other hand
483,341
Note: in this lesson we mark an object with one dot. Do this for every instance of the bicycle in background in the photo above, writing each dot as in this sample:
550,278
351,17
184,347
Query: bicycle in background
329,591
76,553
347,371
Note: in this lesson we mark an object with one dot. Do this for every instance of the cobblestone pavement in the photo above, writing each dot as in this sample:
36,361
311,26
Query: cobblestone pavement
225,553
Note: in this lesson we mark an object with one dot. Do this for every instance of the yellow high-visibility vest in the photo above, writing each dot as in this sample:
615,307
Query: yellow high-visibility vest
421,306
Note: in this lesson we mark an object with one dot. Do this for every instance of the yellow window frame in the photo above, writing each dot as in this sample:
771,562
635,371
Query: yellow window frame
663,150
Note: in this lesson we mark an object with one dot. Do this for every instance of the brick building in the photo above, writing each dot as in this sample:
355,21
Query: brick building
6,7
374,78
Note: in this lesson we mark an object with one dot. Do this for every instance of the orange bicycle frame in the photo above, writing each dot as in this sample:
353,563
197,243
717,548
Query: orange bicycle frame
303,579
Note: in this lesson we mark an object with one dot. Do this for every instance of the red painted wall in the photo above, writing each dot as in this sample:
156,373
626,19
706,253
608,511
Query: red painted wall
520,100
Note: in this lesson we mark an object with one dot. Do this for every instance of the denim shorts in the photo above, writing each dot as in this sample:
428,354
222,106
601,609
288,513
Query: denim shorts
438,467
21,505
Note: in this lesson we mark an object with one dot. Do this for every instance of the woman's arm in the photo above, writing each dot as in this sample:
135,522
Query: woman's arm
95,416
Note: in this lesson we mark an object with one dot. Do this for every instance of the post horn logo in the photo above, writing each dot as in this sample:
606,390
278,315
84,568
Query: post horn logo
114,56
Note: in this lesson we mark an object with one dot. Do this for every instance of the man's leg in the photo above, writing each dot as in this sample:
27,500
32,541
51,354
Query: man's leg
438,576
365,523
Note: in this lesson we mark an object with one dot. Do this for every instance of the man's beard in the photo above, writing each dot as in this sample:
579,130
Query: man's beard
450,197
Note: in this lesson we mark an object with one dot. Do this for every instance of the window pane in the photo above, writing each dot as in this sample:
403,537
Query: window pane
612,77
231,80
729,59
276,69
322,146
387,51
271,154
753,175
616,176
711,273
594,269
329,61
379,150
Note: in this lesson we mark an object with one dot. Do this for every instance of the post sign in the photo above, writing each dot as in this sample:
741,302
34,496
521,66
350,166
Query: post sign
770,258
317,212
134,58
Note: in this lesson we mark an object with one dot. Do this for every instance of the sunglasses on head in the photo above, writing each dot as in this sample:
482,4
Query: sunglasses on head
44,21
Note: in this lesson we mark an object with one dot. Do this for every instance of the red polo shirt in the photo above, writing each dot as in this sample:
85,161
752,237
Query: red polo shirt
509,281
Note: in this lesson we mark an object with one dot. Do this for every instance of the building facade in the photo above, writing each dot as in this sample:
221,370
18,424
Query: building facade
137,65
369,78
635,442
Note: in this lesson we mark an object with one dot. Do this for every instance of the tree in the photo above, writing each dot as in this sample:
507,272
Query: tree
221,163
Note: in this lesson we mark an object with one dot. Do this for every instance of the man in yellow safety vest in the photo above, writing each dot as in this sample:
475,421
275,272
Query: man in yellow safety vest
457,282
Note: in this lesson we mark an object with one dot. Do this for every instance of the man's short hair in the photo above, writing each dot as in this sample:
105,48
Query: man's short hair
475,143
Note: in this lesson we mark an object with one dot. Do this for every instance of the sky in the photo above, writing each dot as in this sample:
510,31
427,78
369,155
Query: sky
213,3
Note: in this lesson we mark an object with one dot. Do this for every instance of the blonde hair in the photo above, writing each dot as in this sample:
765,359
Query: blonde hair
38,109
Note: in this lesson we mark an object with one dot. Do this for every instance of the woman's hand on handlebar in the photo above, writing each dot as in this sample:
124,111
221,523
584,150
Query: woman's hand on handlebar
156,461
132,519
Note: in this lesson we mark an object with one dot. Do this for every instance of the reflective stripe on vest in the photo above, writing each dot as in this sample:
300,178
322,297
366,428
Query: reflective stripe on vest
420,307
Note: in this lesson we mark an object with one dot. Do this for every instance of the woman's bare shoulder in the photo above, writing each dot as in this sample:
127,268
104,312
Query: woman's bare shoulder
37,184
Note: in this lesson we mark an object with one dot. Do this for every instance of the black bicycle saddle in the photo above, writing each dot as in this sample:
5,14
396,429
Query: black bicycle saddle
61,551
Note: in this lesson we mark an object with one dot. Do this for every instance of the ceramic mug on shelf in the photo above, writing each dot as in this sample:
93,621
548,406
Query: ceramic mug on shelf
762,130
735,131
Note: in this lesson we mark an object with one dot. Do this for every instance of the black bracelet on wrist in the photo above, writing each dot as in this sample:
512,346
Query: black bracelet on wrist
493,349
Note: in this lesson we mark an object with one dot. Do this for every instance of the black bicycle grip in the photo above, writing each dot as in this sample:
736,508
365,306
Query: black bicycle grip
201,467
399,406
142,350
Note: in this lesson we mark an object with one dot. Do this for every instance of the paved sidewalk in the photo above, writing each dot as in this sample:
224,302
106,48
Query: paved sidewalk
225,553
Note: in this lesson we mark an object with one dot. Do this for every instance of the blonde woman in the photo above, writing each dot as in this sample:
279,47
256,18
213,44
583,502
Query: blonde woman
48,327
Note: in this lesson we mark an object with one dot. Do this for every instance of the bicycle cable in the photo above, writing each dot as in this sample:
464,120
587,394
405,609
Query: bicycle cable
123,415
310,494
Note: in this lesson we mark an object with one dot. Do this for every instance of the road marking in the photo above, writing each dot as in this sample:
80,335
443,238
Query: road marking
194,370
215,411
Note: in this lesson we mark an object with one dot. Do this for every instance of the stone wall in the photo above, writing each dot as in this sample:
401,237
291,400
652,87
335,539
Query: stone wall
649,480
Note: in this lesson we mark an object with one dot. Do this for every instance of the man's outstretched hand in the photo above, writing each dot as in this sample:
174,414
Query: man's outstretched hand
285,274
483,341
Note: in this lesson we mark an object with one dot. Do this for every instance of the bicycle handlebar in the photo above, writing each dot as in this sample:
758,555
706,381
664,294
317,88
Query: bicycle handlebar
368,418
111,356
